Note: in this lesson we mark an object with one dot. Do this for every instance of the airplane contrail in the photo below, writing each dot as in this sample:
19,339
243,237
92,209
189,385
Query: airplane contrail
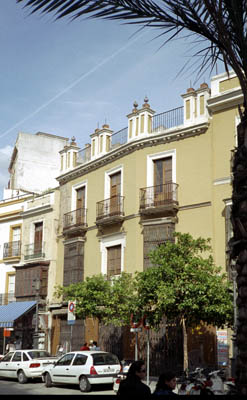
83,76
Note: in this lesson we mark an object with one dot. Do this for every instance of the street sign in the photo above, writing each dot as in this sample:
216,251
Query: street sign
71,312
135,329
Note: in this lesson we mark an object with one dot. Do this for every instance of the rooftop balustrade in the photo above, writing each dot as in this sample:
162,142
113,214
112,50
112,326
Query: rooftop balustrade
160,122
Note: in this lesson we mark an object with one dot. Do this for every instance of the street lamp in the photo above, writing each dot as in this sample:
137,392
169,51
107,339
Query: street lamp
36,286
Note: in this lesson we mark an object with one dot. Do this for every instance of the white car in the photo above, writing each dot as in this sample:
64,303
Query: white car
85,368
25,364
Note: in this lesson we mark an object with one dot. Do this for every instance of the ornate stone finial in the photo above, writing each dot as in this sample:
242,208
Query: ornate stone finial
73,143
135,104
204,85
146,105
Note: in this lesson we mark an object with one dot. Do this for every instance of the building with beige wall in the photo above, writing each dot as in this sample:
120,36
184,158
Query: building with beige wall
127,192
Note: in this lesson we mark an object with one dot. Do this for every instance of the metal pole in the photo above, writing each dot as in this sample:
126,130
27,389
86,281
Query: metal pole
37,316
136,347
37,287
148,352
71,335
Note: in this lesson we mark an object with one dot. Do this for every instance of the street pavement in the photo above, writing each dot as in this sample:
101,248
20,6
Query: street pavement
36,387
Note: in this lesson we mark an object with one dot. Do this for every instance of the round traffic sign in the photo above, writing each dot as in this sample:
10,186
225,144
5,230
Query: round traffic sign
71,307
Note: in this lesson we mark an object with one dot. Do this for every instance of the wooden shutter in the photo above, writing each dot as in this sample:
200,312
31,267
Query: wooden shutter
73,263
80,205
38,235
115,191
162,178
114,260
153,236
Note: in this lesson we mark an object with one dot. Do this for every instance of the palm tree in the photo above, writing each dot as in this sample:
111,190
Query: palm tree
221,26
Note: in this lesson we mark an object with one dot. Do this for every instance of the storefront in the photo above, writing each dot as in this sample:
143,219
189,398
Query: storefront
16,324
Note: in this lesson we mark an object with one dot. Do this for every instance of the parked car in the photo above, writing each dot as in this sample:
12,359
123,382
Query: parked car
25,364
85,368
125,364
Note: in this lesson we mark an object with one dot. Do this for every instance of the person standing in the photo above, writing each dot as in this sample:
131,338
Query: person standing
85,347
133,384
18,343
95,345
166,384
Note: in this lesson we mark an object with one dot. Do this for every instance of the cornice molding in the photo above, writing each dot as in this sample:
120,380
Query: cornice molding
35,211
229,99
170,135
11,215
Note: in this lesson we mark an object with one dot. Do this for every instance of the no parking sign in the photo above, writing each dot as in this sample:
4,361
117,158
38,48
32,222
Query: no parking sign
71,312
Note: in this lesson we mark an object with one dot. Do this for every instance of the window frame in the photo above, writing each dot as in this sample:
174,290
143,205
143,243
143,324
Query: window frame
110,241
157,156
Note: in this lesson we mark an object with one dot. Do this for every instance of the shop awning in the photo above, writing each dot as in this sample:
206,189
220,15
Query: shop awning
12,311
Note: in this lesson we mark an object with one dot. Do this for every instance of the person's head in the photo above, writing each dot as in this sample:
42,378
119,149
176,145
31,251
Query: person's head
95,343
167,378
137,368
85,344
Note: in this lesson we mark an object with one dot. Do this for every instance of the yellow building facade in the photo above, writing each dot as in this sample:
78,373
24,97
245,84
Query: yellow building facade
127,192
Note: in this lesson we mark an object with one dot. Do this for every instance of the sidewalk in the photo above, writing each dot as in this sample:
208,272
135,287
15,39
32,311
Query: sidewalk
152,382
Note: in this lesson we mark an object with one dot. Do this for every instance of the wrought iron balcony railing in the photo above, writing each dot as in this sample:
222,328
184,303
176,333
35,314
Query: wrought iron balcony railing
75,218
160,195
34,250
6,298
12,249
112,207
168,119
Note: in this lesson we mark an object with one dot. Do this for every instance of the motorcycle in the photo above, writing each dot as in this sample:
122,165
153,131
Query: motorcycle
199,382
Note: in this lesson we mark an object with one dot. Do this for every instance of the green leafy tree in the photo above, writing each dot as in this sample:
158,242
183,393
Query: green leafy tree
185,285
111,302
221,27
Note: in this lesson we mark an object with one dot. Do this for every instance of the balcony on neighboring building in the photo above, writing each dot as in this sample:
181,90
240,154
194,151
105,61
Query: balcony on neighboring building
34,250
75,221
160,199
12,249
110,211
6,298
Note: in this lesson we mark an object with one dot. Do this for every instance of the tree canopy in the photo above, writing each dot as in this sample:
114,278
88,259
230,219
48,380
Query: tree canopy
184,283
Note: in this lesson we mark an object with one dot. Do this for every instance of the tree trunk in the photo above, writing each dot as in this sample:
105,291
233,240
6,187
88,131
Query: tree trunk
238,245
185,342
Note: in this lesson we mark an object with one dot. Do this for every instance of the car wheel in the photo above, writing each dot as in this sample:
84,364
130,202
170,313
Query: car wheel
21,377
84,384
48,381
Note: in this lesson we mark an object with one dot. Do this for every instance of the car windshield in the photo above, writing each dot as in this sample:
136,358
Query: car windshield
105,359
38,353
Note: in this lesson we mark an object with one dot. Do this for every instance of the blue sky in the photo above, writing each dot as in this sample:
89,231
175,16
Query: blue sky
68,78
